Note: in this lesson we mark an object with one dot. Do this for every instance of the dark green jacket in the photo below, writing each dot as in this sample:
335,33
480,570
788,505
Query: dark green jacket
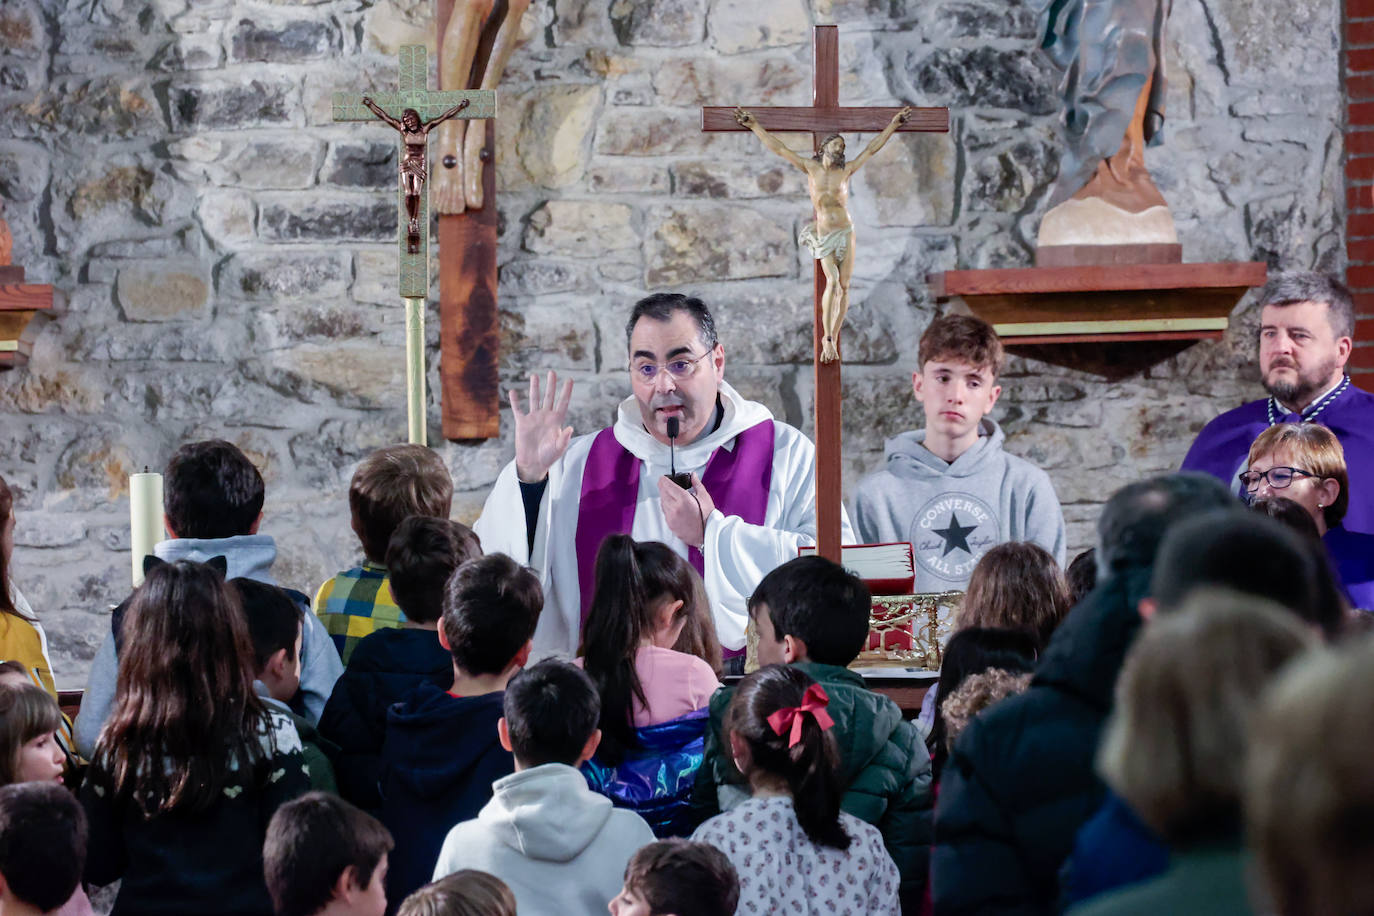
884,766
1210,881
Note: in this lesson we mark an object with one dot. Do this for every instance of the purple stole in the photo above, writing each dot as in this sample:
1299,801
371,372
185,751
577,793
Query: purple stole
738,480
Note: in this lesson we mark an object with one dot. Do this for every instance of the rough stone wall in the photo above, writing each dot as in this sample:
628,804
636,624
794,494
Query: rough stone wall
223,249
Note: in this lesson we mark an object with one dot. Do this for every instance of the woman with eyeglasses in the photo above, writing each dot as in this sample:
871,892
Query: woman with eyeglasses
1304,463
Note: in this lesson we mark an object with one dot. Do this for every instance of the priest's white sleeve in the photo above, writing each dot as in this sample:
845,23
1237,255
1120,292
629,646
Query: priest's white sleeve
738,555
502,529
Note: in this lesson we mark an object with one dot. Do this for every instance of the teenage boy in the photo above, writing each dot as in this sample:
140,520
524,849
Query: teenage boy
391,662
678,878
42,849
324,857
391,484
560,847
275,627
442,752
949,488
812,613
212,507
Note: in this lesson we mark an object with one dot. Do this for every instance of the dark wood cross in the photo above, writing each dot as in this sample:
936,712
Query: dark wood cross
825,116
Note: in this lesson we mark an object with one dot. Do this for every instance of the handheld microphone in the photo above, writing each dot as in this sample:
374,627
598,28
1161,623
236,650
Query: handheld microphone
684,479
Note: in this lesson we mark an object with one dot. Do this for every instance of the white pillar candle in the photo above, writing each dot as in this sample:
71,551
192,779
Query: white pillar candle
145,519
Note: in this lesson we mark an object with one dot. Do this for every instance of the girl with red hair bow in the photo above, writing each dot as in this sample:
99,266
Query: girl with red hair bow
793,848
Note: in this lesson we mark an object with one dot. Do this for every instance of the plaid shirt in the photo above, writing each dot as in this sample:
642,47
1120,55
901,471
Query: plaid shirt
356,603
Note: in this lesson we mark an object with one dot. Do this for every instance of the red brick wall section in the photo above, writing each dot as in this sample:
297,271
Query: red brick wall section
1358,73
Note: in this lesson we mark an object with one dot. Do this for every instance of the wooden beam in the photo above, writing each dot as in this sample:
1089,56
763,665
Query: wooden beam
828,120
1020,280
25,296
469,323
825,93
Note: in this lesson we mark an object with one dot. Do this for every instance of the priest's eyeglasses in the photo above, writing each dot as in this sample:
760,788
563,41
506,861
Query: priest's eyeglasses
680,369
1277,477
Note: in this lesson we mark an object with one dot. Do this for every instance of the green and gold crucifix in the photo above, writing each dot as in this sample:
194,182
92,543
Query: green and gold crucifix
413,111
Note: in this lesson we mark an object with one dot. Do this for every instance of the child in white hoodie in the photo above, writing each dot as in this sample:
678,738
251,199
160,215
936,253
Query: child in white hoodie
559,846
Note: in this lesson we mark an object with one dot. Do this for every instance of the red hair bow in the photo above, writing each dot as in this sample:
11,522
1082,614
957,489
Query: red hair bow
813,701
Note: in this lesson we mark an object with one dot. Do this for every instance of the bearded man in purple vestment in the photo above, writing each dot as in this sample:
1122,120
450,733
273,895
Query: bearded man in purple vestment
1307,327
745,504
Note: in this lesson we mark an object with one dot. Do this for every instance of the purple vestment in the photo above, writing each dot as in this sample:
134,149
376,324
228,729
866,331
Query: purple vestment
1352,555
1223,445
737,478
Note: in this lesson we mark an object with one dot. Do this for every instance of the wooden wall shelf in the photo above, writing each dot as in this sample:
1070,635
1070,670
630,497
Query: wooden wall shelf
20,302
1111,320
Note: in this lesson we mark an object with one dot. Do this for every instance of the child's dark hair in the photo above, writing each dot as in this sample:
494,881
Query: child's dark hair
310,841
1285,510
212,491
185,686
631,579
392,484
491,607
274,620
969,652
26,712
1081,575
963,339
551,711
810,767
683,878
422,554
819,602
42,843
467,892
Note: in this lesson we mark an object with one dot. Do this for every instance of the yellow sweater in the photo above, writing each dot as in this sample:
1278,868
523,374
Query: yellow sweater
23,641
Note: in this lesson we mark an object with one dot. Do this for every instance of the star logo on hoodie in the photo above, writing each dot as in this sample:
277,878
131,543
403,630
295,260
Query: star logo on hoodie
955,535
950,533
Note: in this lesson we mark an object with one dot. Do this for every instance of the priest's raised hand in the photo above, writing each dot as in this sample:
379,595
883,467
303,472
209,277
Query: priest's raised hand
540,436
686,511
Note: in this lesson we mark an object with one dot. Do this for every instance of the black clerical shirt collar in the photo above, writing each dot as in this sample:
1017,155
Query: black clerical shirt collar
720,417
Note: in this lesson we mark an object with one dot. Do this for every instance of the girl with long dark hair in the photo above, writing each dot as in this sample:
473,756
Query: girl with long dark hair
646,631
777,730
191,764
645,597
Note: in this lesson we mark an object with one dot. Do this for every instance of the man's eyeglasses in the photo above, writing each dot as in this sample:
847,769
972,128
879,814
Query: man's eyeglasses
1278,478
680,369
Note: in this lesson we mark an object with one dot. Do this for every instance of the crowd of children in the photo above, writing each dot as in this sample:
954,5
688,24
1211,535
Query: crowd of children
1114,737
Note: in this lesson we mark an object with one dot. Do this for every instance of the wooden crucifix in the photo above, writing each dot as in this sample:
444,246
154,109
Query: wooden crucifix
476,38
414,111
823,118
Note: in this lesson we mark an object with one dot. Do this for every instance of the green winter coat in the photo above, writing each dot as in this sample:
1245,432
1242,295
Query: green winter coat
884,766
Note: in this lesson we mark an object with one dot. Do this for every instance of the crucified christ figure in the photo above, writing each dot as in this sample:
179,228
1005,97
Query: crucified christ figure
831,236
413,164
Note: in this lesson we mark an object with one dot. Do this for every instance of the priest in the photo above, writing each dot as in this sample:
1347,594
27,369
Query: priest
1307,327
744,502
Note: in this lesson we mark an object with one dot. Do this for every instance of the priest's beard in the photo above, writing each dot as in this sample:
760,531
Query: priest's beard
1299,392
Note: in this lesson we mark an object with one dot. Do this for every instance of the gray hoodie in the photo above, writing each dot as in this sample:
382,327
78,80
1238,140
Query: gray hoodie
249,556
560,847
952,513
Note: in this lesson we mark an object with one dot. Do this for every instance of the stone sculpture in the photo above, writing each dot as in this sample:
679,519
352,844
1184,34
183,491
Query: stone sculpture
1110,54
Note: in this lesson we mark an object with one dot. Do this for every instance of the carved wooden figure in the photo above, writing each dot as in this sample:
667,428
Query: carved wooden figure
831,236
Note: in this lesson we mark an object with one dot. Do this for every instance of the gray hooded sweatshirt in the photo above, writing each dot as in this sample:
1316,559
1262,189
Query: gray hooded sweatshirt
560,847
952,513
